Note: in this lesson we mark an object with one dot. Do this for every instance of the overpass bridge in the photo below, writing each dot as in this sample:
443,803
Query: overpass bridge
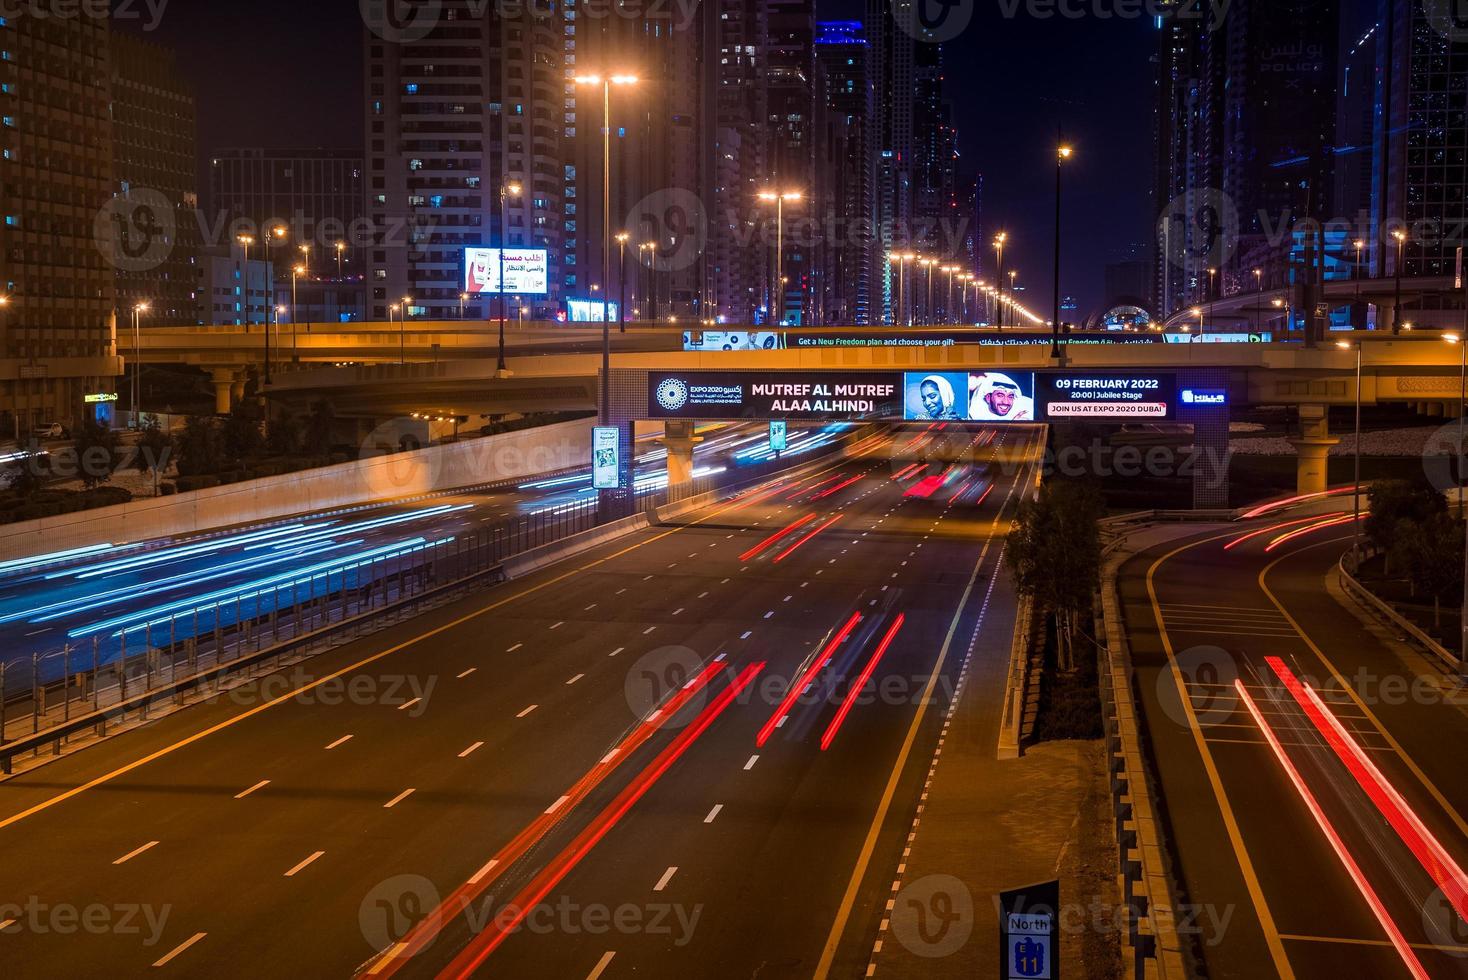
1421,370
1256,310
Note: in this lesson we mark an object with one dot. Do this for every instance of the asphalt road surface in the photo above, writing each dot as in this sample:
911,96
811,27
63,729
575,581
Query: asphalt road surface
680,754
1337,851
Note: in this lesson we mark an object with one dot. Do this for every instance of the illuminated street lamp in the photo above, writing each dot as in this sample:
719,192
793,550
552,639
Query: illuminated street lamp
403,331
778,198
1401,237
999,241
650,302
137,386
1458,339
341,247
606,83
901,260
1062,154
622,239
1197,311
296,273
928,265
1356,494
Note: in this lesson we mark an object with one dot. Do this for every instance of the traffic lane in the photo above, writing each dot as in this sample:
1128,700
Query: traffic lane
1421,707
1288,876
772,829
205,766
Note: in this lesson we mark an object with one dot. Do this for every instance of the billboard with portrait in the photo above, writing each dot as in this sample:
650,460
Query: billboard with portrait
526,271
969,396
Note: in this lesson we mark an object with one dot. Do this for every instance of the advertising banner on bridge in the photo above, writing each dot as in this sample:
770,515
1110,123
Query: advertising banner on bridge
959,396
1107,396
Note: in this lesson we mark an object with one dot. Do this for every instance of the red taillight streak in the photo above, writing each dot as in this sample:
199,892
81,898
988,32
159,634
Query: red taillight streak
985,495
805,678
960,491
776,537
925,488
788,551
838,487
905,470
1300,532
1263,509
1377,908
1433,857
472,956
861,680
1275,527
814,486
763,493
464,896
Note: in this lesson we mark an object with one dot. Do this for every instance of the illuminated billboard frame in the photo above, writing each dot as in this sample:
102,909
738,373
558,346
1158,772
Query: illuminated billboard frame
526,270
1124,396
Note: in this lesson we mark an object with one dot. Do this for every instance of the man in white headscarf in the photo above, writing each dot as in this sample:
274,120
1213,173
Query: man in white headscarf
995,397
937,397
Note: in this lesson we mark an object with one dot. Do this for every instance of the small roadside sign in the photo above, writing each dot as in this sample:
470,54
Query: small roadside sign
1029,933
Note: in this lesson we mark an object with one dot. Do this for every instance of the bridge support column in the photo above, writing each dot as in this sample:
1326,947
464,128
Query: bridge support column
679,439
227,390
1312,449
1434,410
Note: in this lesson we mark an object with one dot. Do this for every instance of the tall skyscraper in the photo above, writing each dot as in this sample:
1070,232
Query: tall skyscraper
458,112
153,152
844,203
890,141
59,232
790,114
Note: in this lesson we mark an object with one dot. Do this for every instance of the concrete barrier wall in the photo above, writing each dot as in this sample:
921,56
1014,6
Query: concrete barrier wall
511,456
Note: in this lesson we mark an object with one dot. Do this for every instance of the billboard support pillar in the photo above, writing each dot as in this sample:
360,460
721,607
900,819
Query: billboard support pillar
679,439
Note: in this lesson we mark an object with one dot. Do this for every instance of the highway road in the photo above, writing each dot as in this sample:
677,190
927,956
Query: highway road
1308,760
49,600
684,753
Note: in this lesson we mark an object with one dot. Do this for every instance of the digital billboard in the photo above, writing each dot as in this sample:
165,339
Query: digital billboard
778,436
605,457
589,311
699,340
968,396
1106,395
527,271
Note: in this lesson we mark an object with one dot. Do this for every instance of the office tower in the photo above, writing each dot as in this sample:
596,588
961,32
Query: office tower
844,206
153,152
790,113
59,230
455,118
890,141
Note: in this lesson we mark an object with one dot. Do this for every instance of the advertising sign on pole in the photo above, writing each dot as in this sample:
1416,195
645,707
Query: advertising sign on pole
606,457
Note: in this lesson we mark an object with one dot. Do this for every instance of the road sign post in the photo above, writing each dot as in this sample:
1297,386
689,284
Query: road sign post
1029,932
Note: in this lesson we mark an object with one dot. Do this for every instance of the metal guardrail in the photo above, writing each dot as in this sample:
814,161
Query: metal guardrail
93,684
1384,610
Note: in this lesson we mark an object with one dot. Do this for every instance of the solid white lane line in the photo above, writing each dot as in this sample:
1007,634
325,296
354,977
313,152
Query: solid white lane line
132,854
574,679
667,877
467,673
478,875
750,764
713,813
471,750
408,704
300,867
397,799
527,711
181,947
260,785
601,965
339,741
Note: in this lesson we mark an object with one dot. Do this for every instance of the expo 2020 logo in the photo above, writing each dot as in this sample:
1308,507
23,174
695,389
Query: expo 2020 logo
673,394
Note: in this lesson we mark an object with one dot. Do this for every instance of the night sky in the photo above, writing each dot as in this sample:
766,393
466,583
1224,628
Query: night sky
288,72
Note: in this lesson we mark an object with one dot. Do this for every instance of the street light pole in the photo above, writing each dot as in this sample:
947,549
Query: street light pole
622,238
1062,153
137,386
403,333
1401,237
999,241
1356,492
296,273
511,189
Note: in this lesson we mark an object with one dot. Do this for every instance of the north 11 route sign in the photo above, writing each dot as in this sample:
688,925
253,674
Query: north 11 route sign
606,456
1029,933
1118,396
